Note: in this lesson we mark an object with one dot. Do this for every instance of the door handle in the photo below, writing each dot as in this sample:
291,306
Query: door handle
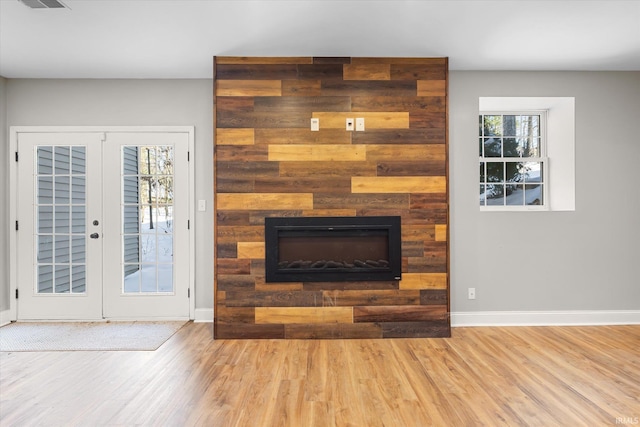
94,235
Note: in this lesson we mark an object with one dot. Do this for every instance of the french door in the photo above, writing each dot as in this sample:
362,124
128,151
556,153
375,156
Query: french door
103,221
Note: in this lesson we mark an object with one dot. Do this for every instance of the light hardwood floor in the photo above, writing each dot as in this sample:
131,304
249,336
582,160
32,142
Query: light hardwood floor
544,376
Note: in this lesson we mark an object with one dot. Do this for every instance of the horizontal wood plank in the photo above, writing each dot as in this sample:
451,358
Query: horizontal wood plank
249,87
432,88
263,60
398,184
367,72
423,281
339,298
399,313
373,120
317,153
288,315
234,136
282,136
251,250
402,152
441,232
252,201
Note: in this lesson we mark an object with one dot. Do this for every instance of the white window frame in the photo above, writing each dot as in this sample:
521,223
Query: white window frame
561,142
542,159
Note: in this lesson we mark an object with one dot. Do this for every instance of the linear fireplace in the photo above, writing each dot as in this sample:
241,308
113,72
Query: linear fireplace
330,249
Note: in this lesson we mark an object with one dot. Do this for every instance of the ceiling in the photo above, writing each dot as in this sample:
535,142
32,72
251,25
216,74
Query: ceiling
178,38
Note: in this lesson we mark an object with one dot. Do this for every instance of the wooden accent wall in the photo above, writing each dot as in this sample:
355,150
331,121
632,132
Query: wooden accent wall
268,162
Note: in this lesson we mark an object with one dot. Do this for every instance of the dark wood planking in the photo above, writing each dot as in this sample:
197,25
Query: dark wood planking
233,266
418,72
235,315
301,185
404,313
413,104
360,201
407,168
369,88
274,299
235,282
427,120
246,170
242,153
317,71
235,185
371,298
265,119
433,296
433,329
429,201
327,169
332,60
347,286
300,104
256,71
399,136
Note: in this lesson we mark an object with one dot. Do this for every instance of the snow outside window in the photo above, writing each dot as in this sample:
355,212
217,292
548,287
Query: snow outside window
512,149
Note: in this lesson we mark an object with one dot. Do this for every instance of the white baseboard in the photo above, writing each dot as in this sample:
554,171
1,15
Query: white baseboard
5,317
203,315
545,318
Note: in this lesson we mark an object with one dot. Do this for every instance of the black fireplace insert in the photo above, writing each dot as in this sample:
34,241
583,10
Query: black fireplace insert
330,249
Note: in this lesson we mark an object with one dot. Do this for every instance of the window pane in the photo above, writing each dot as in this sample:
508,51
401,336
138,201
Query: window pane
482,172
495,195
162,191
482,194
131,189
509,125
131,278
45,190
528,125
515,195
532,171
63,279
492,125
78,249
131,218
61,160
493,147
165,248
62,217
45,219
78,223
62,249
511,147
45,279
514,171
45,249
79,279
148,278
130,160
45,160
148,247
495,172
165,278
533,194
78,190
78,160
62,189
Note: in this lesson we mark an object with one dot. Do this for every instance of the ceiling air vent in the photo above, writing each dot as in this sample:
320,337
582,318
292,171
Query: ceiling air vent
44,4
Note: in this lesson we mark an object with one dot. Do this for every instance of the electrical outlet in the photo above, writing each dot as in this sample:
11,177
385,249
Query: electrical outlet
315,124
472,293
350,124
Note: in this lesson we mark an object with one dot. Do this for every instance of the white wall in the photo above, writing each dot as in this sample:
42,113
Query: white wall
33,102
587,259
4,198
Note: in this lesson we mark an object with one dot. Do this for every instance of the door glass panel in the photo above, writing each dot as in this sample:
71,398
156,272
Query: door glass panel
60,214
147,218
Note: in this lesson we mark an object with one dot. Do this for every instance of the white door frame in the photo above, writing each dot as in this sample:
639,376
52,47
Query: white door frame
14,131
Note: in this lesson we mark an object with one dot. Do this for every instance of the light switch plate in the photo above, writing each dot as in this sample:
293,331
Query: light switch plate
350,124
360,124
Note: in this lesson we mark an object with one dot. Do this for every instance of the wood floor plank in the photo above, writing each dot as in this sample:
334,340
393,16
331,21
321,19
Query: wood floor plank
528,376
